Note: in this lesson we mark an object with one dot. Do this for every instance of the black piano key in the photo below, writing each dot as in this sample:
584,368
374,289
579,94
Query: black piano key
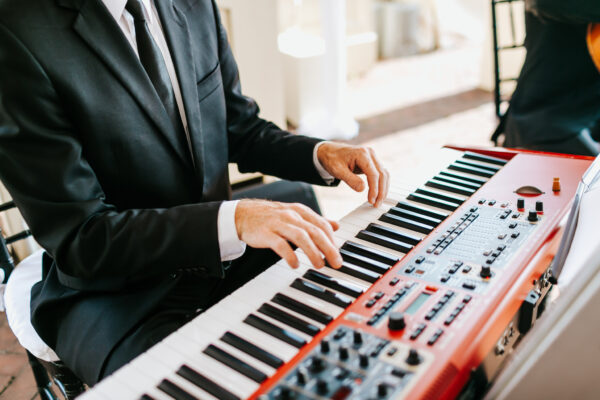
275,331
302,308
424,219
242,344
175,391
441,196
406,223
384,241
434,183
364,262
393,234
332,283
478,165
481,157
458,182
358,272
373,254
471,179
235,363
431,201
471,170
146,397
205,384
421,210
289,319
323,294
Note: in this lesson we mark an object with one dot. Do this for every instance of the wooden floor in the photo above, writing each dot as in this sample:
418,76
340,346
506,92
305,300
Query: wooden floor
456,113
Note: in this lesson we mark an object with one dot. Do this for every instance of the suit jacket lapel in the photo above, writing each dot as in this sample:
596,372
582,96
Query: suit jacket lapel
176,32
100,31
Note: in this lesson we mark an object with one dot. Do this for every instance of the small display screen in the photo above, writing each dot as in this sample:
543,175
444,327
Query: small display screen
415,305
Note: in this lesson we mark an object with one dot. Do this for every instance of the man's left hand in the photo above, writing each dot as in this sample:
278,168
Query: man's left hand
346,162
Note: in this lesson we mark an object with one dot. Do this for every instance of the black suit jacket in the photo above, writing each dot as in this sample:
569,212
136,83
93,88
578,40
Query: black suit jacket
106,185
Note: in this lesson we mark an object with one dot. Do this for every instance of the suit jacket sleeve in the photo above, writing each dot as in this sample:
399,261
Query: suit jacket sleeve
44,167
256,144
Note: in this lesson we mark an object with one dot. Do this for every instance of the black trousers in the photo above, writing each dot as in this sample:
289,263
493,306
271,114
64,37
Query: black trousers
193,294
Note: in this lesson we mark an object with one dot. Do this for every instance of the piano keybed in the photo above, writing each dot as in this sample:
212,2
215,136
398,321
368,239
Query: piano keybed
250,341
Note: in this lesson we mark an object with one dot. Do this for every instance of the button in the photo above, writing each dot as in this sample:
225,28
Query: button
495,254
492,202
481,201
466,269
396,297
486,272
490,260
413,357
520,204
378,295
357,337
437,251
325,346
487,253
501,247
449,320
515,216
437,307
504,205
501,236
473,209
392,351
515,235
370,303
396,321
513,225
409,269
532,216
469,285
459,264
467,298
339,334
398,372
372,321
419,260
394,281
444,278
503,216
342,373
430,315
435,337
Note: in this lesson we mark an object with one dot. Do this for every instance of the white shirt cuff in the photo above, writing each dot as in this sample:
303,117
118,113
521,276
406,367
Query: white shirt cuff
327,177
230,245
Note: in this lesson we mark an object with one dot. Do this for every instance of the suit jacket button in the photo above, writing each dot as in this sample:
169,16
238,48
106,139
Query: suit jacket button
174,275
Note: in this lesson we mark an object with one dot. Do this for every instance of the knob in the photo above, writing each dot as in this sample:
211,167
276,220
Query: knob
486,271
382,389
363,360
301,376
413,357
556,185
396,321
285,393
539,206
322,386
317,364
520,204
532,217
324,346
358,339
343,352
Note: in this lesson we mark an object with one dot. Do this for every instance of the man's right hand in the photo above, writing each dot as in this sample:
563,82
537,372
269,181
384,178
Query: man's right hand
268,224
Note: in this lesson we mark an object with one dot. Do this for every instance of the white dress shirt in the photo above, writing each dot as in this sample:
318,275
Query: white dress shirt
230,246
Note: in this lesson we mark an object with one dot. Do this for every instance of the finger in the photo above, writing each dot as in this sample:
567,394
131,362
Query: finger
325,246
309,215
383,179
365,163
302,239
351,179
334,225
284,250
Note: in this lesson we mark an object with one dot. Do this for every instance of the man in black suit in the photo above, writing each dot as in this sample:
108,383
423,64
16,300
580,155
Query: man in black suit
556,105
128,113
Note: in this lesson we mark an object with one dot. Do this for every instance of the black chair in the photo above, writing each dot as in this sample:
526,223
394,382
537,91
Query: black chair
48,375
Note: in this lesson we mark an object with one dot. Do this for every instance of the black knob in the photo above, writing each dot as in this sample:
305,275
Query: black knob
382,389
532,217
322,386
317,364
486,271
539,206
358,339
285,393
324,346
396,321
343,352
520,204
301,376
413,357
363,360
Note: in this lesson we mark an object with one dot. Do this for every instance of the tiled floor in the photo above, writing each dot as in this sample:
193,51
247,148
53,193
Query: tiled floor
407,109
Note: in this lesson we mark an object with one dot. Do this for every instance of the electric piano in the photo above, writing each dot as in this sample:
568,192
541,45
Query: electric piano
437,287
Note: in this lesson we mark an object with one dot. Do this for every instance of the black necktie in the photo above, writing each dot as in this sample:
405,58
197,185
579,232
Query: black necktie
153,62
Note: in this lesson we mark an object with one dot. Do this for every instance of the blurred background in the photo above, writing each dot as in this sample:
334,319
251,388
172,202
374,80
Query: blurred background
404,77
